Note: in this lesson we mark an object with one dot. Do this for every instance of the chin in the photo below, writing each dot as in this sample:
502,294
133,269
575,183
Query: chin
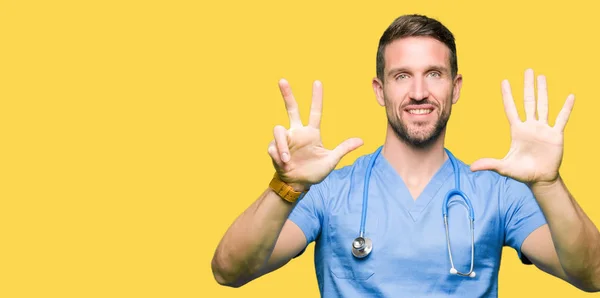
420,134
421,138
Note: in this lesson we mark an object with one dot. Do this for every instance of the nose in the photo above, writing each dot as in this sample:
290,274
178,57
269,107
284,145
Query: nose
418,89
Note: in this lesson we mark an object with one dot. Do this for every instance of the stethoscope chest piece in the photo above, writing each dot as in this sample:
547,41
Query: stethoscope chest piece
361,247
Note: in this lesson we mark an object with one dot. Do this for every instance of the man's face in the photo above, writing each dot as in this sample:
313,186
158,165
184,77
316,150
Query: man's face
418,89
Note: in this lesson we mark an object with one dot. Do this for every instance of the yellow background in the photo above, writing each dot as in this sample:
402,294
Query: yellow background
134,132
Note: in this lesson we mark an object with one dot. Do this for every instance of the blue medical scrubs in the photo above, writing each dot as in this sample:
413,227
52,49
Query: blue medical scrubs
410,255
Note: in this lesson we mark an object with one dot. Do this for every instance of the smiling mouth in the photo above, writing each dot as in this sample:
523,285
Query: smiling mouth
420,111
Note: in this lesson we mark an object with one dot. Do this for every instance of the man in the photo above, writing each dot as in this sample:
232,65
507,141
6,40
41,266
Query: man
409,249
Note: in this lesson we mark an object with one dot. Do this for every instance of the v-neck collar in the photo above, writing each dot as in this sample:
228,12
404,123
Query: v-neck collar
398,187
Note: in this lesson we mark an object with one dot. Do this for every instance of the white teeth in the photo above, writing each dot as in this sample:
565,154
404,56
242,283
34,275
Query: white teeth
420,111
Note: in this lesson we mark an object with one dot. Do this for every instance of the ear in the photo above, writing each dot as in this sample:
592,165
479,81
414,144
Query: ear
378,89
456,88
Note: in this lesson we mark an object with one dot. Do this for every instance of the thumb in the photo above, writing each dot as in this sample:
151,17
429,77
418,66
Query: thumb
346,147
487,164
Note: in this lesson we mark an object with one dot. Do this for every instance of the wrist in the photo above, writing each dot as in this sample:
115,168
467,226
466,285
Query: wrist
290,192
546,186
299,187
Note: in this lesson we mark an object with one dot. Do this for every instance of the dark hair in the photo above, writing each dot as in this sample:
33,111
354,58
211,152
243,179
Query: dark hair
416,25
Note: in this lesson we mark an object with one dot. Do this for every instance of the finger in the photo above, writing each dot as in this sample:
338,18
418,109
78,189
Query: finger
290,103
272,150
565,113
529,99
316,108
346,147
280,134
485,164
509,104
542,104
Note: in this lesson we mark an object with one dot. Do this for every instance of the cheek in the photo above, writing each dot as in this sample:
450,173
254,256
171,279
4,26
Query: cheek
394,96
442,93
439,88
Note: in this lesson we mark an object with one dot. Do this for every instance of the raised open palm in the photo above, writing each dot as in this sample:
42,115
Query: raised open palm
298,153
536,148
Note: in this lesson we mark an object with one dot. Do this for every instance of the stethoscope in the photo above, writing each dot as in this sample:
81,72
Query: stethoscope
362,246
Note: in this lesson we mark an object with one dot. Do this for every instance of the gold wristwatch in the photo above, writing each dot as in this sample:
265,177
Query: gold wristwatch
284,190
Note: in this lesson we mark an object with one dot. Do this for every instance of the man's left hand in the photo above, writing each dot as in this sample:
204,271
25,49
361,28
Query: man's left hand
536,148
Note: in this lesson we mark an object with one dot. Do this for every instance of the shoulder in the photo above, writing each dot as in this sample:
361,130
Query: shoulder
334,183
344,174
340,177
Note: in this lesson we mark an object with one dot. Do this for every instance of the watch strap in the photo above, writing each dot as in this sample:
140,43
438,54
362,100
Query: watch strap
284,190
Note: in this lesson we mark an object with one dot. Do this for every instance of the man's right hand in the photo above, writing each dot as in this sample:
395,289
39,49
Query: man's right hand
301,161
298,153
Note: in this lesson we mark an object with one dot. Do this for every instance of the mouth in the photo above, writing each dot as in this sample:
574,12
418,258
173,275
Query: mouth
419,111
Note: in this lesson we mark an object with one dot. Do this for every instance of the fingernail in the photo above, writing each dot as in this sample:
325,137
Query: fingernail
285,157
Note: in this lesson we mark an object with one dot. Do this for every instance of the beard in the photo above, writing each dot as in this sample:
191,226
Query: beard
418,135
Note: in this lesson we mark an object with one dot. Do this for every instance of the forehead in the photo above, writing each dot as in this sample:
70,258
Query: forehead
416,52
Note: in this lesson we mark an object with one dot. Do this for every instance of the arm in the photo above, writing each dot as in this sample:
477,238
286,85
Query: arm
259,241
262,238
569,246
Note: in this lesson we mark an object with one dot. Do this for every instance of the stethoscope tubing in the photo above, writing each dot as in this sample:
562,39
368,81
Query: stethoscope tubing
365,246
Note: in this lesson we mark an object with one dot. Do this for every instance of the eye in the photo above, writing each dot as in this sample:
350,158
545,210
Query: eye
401,76
435,74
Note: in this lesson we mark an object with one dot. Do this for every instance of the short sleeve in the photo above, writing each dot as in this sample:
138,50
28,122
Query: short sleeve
522,215
308,212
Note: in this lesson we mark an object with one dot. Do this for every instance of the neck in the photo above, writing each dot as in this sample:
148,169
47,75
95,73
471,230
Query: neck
415,165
